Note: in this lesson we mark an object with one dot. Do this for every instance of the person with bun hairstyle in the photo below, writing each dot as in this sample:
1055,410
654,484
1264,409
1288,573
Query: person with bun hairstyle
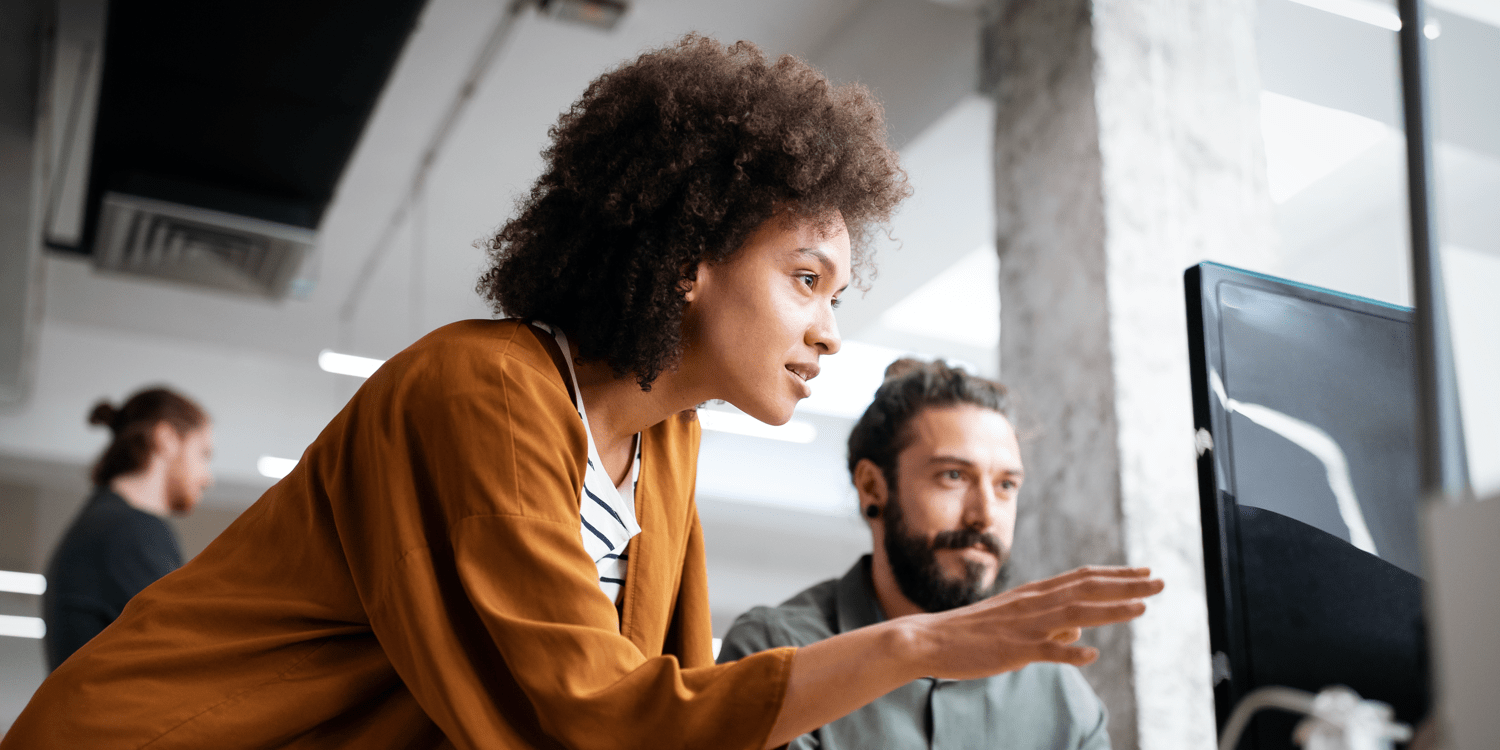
495,543
938,470
156,465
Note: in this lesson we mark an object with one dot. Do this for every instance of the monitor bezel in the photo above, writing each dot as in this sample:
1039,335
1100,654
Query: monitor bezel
1221,549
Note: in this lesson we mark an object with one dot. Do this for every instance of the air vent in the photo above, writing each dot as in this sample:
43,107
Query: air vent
198,246
601,14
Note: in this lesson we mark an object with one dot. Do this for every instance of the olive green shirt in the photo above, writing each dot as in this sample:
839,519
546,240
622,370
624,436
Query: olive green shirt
1042,706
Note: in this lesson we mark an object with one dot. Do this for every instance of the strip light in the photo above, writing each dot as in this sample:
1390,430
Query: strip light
795,431
348,364
22,627
1367,11
275,468
22,583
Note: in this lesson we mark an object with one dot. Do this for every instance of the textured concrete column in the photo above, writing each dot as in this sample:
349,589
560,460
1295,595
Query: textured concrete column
1127,148
21,45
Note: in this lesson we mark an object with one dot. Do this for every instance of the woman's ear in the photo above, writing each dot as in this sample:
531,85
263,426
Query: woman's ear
869,482
688,283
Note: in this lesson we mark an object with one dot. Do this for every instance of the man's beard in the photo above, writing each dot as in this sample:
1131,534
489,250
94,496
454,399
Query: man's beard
180,497
921,578
180,504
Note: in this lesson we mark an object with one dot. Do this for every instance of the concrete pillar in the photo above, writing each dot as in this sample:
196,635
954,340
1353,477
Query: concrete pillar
23,26
1127,148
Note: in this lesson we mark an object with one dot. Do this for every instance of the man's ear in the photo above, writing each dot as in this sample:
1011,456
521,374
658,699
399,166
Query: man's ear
869,482
165,441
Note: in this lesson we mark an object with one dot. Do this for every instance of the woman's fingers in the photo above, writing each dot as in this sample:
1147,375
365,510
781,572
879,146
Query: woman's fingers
1105,589
1078,656
1067,635
1078,574
1088,615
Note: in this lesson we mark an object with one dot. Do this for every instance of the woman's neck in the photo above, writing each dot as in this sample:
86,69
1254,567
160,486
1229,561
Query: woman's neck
618,409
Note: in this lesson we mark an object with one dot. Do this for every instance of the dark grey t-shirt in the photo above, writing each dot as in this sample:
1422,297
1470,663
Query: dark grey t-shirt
107,556
1043,706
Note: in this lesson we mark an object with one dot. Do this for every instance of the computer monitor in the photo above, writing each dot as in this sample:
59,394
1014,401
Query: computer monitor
1304,401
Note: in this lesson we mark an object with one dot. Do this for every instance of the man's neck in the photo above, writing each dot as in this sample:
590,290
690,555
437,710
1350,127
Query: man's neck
144,490
887,592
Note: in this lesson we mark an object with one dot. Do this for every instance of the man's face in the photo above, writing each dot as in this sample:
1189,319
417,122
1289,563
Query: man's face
188,473
950,516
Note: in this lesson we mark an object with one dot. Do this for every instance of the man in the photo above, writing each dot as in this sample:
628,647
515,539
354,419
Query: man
156,465
938,470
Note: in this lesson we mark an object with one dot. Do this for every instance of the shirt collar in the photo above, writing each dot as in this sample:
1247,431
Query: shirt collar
855,602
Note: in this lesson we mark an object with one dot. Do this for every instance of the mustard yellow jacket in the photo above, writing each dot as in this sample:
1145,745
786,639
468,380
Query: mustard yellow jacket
419,581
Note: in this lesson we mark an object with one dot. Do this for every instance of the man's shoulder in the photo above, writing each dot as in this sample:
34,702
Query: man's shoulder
111,518
803,619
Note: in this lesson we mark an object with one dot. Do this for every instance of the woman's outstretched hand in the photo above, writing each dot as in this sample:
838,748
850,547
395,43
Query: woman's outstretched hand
1039,621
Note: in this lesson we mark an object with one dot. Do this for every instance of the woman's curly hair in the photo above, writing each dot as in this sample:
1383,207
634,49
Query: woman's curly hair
673,160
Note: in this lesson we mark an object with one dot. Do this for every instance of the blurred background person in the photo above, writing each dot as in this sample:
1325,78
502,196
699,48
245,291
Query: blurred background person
156,465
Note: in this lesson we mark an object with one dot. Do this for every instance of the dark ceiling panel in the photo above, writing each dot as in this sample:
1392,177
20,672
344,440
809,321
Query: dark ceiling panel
248,107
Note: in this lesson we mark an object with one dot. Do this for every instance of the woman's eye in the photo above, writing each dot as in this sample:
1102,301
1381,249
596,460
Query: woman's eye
953,474
1008,485
810,279
835,303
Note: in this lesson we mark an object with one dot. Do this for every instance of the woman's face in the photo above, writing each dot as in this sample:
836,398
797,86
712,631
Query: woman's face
756,324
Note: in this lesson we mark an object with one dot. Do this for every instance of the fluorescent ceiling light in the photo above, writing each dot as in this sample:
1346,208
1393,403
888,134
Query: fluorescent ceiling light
795,431
1370,12
22,627
22,583
961,304
275,468
1306,142
348,364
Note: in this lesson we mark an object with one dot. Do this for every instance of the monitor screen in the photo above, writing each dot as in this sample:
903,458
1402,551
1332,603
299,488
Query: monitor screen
1305,403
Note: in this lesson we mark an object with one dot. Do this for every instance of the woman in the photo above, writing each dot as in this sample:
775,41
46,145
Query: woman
437,571
156,465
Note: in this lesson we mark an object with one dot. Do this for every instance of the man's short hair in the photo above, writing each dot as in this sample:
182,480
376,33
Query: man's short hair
911,386
673,160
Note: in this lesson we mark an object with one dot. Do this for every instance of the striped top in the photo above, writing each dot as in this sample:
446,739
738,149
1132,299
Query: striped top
607,510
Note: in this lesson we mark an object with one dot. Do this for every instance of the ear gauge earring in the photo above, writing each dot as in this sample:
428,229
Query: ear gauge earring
873,511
